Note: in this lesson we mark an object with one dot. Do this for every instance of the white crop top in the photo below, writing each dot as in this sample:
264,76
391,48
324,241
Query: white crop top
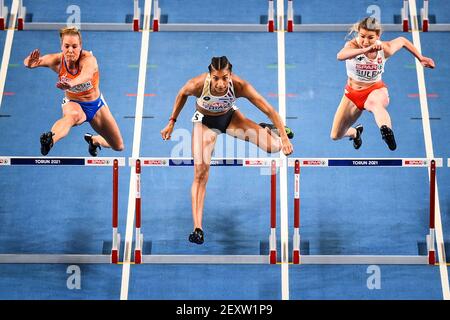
363,69
213,103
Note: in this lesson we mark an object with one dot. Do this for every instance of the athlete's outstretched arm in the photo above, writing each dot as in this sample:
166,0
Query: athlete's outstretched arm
247,91
35,60
187,90
391,47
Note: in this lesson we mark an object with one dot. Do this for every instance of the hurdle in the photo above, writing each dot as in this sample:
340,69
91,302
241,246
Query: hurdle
84,26
331,27
298,163
113,257
212,27
426,25
270,258
3,14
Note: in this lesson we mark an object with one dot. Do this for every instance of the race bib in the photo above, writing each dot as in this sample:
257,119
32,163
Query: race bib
197,117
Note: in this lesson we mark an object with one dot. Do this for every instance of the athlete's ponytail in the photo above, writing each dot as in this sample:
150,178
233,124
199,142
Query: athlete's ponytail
220,63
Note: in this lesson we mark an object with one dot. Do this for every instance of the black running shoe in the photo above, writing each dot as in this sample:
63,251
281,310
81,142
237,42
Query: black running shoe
357,142
200,238
272,127
197,236
92,147
192,236
46,142
388,136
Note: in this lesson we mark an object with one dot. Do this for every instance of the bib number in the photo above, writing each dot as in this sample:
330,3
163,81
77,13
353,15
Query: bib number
197,117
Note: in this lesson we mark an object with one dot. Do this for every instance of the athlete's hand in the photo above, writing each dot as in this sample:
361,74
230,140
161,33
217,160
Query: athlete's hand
33,59
167,131
375,47
427,62
287,146
63,84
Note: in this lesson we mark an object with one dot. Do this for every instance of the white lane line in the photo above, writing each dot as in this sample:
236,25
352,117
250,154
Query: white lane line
135,153
8,47
429,149
283,169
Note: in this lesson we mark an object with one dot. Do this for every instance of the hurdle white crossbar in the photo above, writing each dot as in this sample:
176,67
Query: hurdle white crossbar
298,163
84,26
363,259
365,162
60,161
113,257
3,15
55,258
206,259
344,27
211,27
271,258
222,162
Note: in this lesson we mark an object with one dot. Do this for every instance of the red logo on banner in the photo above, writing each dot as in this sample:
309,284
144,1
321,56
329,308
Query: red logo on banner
254,162
154,162
312,162
97,162
414,162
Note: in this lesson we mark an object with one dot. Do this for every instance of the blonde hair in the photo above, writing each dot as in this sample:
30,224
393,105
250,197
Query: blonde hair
368,23
71,31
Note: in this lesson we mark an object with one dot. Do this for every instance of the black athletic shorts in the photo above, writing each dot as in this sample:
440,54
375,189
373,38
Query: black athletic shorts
220,123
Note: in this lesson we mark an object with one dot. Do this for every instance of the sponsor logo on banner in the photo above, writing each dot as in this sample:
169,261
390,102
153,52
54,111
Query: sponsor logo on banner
255,162
415,162
155,162
98,161
313,163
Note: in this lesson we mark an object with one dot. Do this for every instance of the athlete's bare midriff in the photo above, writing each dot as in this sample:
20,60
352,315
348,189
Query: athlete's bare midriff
358,85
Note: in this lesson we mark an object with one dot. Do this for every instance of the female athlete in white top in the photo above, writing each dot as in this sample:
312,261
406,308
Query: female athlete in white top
365,56
216,113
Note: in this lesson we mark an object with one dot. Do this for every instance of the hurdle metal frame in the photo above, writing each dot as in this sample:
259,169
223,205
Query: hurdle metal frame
212,27
331,27
3,15
84,26
297,163
113,257
270,258
426,25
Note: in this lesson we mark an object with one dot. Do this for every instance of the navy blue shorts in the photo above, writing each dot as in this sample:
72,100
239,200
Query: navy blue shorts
219,123
90,108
